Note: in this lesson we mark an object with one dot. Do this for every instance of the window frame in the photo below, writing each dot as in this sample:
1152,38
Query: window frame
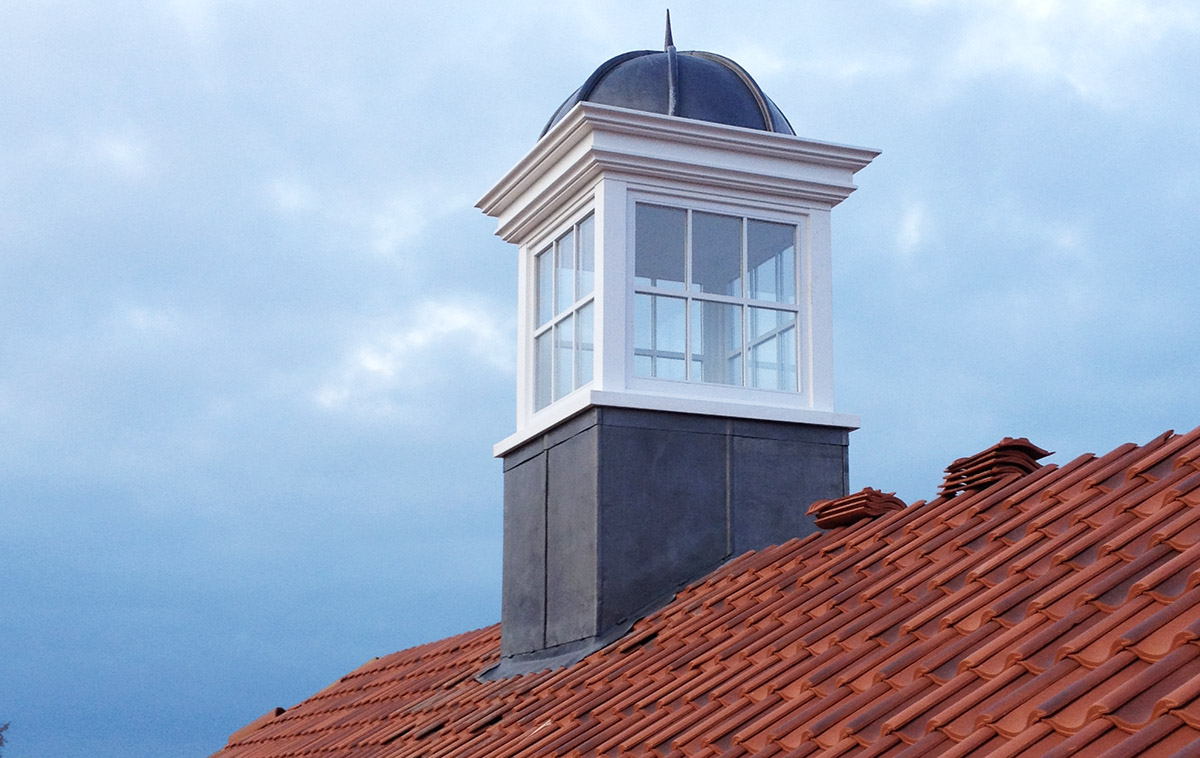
800,308
561,313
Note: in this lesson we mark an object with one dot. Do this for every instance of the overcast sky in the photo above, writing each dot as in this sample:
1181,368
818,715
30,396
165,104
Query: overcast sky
256,343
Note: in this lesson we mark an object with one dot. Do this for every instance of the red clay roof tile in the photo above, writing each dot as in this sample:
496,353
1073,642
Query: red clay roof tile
1007,458
1050,611
867,503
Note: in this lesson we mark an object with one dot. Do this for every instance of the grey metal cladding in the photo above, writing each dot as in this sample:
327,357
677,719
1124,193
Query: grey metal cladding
523,599
662,512
572,594
612,511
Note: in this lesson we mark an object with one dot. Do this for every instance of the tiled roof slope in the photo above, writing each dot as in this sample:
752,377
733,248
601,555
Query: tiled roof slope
1053,613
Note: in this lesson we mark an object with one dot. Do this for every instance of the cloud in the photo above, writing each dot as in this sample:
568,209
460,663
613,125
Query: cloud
289,195
141,319
123,154
391,226
1098,48
384,222
912,230
383,371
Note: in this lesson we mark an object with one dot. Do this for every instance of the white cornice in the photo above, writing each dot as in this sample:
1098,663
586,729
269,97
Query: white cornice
597,139
724,137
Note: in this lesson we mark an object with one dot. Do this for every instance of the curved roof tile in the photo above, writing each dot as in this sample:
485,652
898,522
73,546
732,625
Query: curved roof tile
1055,613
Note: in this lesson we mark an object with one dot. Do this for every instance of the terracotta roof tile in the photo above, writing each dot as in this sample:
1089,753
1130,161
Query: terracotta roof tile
867,503
1009,457
1028,610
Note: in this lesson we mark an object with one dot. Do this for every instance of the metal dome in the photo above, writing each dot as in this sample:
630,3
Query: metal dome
690,84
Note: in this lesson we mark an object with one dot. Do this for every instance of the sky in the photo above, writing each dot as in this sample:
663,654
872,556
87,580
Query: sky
256,343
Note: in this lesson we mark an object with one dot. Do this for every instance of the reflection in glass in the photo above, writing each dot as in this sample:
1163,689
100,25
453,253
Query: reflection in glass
788,370
660,235
716,254
564,256
717,332
716,342
543,356
643,335
587,256
564,347
545,286
584,349
771,261
642,365
772,353
670,325
660,325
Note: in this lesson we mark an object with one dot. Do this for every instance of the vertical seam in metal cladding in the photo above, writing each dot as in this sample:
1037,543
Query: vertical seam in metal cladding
545,542
728,488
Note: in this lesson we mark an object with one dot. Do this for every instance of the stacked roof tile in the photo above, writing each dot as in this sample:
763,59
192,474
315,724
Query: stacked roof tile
1049,612
867,503
986,468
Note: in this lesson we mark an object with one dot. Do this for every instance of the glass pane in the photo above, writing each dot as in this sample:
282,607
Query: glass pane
764,365
658,253
584,348
771,261
643,343
564,348
542,359
587,255
670,318
716,342
764,321
545,286
668,367
659,331
717,254
772,337
641,365
564,250
787,359
670,314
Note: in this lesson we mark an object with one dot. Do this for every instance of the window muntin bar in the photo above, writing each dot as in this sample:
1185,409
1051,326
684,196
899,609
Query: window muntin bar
564,357
734,265
587,257
584,347
544,268
563,337
659,345
564,272
772,348
716,342
543,364
771,261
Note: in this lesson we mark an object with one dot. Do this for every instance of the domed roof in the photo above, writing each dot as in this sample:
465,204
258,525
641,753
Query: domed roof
691,84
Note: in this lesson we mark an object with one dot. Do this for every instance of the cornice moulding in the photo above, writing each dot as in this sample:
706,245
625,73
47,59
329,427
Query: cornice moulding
596,138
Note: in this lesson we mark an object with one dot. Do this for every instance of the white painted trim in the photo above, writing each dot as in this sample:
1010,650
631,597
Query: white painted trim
585,118
611,293
594,139
820,317
602,159
588,397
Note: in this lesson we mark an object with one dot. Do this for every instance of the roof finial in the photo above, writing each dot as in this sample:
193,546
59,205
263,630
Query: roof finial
669,42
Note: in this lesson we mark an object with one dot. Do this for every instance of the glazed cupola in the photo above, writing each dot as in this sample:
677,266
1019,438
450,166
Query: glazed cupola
675,358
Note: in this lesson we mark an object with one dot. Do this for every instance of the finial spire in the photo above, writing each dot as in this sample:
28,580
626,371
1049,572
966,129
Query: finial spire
668,43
